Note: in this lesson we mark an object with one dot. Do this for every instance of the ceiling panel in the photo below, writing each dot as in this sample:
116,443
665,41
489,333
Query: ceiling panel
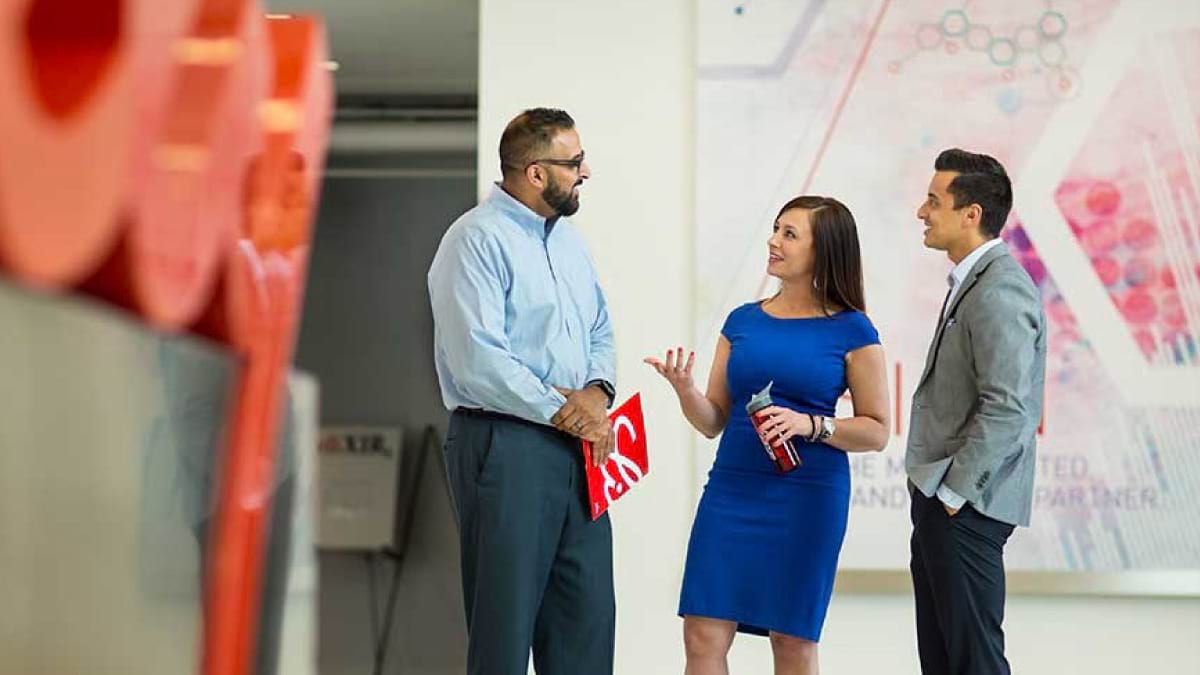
400,48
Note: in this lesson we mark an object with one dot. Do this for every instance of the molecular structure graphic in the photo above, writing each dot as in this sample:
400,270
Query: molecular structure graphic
1039,43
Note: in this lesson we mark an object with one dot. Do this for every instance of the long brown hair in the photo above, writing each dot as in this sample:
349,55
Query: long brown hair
837,259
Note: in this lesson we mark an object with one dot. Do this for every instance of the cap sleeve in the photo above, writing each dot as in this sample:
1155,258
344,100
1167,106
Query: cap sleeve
735,322
860,332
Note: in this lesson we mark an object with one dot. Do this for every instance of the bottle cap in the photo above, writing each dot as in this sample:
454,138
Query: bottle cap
760,400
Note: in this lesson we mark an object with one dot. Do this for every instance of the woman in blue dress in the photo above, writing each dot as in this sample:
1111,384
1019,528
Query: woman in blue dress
764,545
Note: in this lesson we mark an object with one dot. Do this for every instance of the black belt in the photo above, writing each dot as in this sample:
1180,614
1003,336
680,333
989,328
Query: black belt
492,415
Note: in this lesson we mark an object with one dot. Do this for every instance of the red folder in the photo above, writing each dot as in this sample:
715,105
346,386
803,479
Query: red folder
626,466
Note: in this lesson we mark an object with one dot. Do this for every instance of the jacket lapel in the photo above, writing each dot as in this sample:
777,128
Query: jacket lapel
933,343
977,271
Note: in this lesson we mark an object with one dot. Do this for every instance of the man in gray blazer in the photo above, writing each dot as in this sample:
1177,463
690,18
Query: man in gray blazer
975,414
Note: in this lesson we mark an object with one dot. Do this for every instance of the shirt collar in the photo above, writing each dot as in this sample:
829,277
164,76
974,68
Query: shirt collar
963,268
520,213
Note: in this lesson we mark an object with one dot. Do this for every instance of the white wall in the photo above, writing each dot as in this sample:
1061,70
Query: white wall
624,70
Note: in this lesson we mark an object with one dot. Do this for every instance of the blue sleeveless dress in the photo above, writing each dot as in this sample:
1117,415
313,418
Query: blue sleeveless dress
764,546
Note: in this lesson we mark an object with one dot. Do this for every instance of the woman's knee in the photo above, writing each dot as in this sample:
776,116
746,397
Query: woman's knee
793,648
707,637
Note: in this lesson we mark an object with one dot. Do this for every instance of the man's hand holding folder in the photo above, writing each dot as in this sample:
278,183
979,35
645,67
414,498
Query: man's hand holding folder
628,462
585,415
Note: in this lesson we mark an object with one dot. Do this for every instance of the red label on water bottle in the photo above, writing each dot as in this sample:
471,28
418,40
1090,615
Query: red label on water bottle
783,453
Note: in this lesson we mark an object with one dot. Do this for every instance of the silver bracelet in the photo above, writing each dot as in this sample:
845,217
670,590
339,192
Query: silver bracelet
815,436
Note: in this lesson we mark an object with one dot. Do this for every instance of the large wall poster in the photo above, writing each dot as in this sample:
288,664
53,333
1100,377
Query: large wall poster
1094,106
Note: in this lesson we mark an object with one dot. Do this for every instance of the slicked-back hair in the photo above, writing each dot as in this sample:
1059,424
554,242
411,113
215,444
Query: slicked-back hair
837,257
981,180
529,135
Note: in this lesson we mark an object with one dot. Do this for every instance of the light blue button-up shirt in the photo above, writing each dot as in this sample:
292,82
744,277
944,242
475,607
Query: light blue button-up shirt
517,311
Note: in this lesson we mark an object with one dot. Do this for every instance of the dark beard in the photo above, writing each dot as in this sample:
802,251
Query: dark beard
564,202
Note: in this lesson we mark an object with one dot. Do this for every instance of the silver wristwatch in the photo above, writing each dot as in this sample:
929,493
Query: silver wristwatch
828,427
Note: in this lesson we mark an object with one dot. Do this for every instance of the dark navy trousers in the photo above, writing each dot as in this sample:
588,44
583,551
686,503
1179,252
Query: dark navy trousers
536,570
958,582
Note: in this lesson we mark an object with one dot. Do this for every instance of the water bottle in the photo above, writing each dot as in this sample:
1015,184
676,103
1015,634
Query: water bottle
782,452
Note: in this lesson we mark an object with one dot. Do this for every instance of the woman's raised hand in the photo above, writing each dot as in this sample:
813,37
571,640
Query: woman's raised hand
677,372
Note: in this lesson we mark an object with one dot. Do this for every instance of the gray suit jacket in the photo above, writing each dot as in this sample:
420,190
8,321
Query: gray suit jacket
978,405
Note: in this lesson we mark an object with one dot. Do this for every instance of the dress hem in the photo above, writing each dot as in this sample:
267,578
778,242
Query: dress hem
750,627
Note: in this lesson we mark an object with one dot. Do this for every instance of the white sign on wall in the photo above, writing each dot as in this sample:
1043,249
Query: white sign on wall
358,474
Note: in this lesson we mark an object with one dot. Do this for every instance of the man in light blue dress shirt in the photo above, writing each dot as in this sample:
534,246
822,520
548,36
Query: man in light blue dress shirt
525,359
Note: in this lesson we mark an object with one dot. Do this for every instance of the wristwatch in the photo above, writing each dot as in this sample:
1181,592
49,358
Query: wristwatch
606,387
828,427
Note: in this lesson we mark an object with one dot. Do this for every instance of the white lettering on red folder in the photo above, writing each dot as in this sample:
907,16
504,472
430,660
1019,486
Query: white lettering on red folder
626,466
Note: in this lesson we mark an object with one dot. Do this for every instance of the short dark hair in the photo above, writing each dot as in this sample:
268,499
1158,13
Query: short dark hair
837,258
529,135
981,180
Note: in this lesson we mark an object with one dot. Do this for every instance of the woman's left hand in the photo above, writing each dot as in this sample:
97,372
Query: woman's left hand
784,423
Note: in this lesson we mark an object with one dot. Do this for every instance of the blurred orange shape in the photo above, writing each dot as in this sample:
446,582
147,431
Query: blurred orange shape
66,124
187,188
